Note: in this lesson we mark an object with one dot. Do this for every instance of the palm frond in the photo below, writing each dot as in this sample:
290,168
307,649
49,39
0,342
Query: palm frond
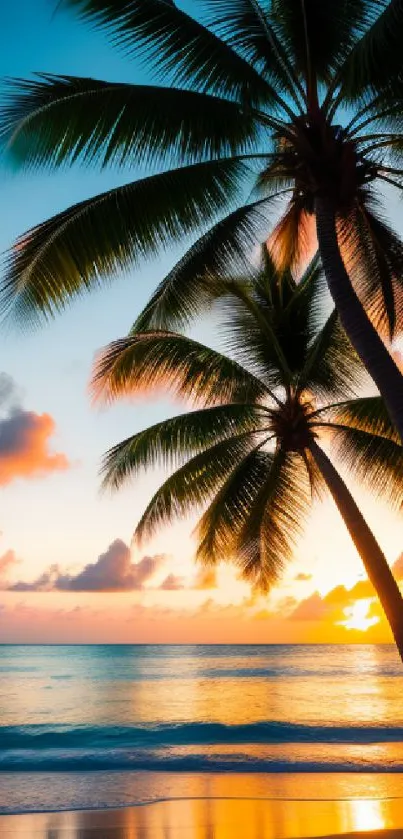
311,300
366,443
365,414
177,44
256,517
293,240
190,487
281,293
55,120
319,35
267,323
380,111
246,26
73,251
190,286
219,528
374,255
184,367
276,519
332,366
170,443
317,483
375,61
296,311
254,336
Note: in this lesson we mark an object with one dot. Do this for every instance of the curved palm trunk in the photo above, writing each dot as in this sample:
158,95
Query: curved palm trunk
374,560
354,319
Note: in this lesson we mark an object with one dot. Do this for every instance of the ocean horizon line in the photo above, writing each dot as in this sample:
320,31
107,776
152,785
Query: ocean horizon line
196,644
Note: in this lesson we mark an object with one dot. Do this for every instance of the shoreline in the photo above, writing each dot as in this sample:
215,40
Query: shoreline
226,807
192,818
172,800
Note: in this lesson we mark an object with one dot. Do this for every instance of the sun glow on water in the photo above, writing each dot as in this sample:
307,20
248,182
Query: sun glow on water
367,815
358,617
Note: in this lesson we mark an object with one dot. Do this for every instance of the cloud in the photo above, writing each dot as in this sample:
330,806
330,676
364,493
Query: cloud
24,438
286,605
7,561
303,578
205,579
331,607
313,608
112,571
340,596
45,582
173,583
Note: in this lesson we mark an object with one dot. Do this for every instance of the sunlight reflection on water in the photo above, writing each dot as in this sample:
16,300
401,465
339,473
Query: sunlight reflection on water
116,685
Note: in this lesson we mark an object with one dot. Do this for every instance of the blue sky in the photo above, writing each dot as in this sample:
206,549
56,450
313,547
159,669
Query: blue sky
52,365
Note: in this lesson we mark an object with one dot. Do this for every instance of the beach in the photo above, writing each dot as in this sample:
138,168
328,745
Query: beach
203,806
226,817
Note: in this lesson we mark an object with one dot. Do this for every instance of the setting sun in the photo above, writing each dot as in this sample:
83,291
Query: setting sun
357,616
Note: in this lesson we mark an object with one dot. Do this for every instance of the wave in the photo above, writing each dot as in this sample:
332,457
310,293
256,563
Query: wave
200,747
154,762
41,737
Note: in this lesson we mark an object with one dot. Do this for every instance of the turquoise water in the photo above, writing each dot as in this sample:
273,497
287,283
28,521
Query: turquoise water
192,709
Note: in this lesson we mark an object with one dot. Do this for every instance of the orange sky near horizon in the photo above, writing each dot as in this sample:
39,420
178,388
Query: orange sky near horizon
176,602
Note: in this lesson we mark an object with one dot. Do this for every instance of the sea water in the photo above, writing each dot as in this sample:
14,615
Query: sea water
79,723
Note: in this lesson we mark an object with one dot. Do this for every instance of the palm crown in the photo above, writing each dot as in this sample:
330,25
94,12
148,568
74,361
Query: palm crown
297,97
249,448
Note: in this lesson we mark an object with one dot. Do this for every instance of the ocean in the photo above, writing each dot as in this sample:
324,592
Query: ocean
79,723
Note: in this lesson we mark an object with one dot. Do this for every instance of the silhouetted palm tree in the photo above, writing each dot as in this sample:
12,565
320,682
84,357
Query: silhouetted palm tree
252,445
290,96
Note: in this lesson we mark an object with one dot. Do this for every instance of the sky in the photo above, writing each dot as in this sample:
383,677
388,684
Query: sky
68,572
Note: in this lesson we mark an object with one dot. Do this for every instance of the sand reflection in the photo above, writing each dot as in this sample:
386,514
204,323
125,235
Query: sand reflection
220,806
211,819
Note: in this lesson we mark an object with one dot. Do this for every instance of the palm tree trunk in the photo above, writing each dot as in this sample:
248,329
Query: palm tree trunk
374,560
362,334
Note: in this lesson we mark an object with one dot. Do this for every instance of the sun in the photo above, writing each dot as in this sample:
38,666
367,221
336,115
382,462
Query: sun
357,616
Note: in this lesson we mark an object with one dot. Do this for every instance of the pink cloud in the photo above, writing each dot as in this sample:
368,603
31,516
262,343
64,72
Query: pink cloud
7,561
313,608
113,571
24,438
173,583
204,580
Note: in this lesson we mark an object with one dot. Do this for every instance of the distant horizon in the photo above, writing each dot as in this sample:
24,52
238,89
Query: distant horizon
201,644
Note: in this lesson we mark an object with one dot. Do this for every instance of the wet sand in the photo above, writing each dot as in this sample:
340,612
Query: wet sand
216,819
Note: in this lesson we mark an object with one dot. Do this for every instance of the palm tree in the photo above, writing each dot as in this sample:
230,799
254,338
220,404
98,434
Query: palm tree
251,446
292,97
